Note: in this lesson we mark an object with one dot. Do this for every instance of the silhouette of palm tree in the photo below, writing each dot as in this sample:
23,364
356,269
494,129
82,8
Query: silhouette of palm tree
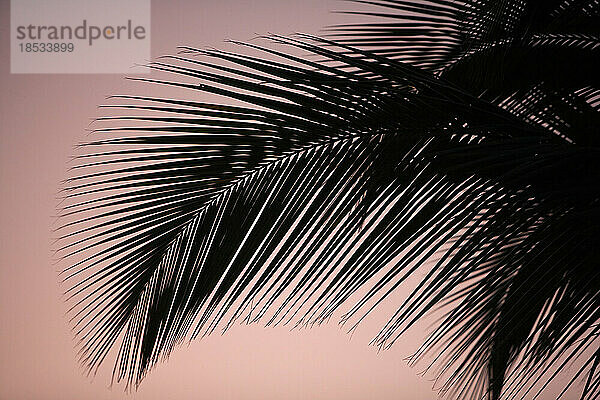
459,138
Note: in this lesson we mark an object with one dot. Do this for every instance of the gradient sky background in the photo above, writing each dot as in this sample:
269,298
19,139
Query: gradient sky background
42,117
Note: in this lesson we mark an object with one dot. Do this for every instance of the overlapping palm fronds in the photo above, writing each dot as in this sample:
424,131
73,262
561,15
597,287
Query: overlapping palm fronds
460,130
536,58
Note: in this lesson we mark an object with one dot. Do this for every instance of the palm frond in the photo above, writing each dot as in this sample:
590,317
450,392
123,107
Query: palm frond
336,176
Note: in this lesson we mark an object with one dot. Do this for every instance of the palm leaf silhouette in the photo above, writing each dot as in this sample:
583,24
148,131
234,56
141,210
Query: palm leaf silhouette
457,138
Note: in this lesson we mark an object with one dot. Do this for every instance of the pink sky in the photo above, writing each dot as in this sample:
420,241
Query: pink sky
42,117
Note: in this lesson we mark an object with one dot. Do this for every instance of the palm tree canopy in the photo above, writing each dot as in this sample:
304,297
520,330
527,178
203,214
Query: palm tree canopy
455,137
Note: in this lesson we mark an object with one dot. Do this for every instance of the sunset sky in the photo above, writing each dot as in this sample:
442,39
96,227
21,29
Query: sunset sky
42,117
